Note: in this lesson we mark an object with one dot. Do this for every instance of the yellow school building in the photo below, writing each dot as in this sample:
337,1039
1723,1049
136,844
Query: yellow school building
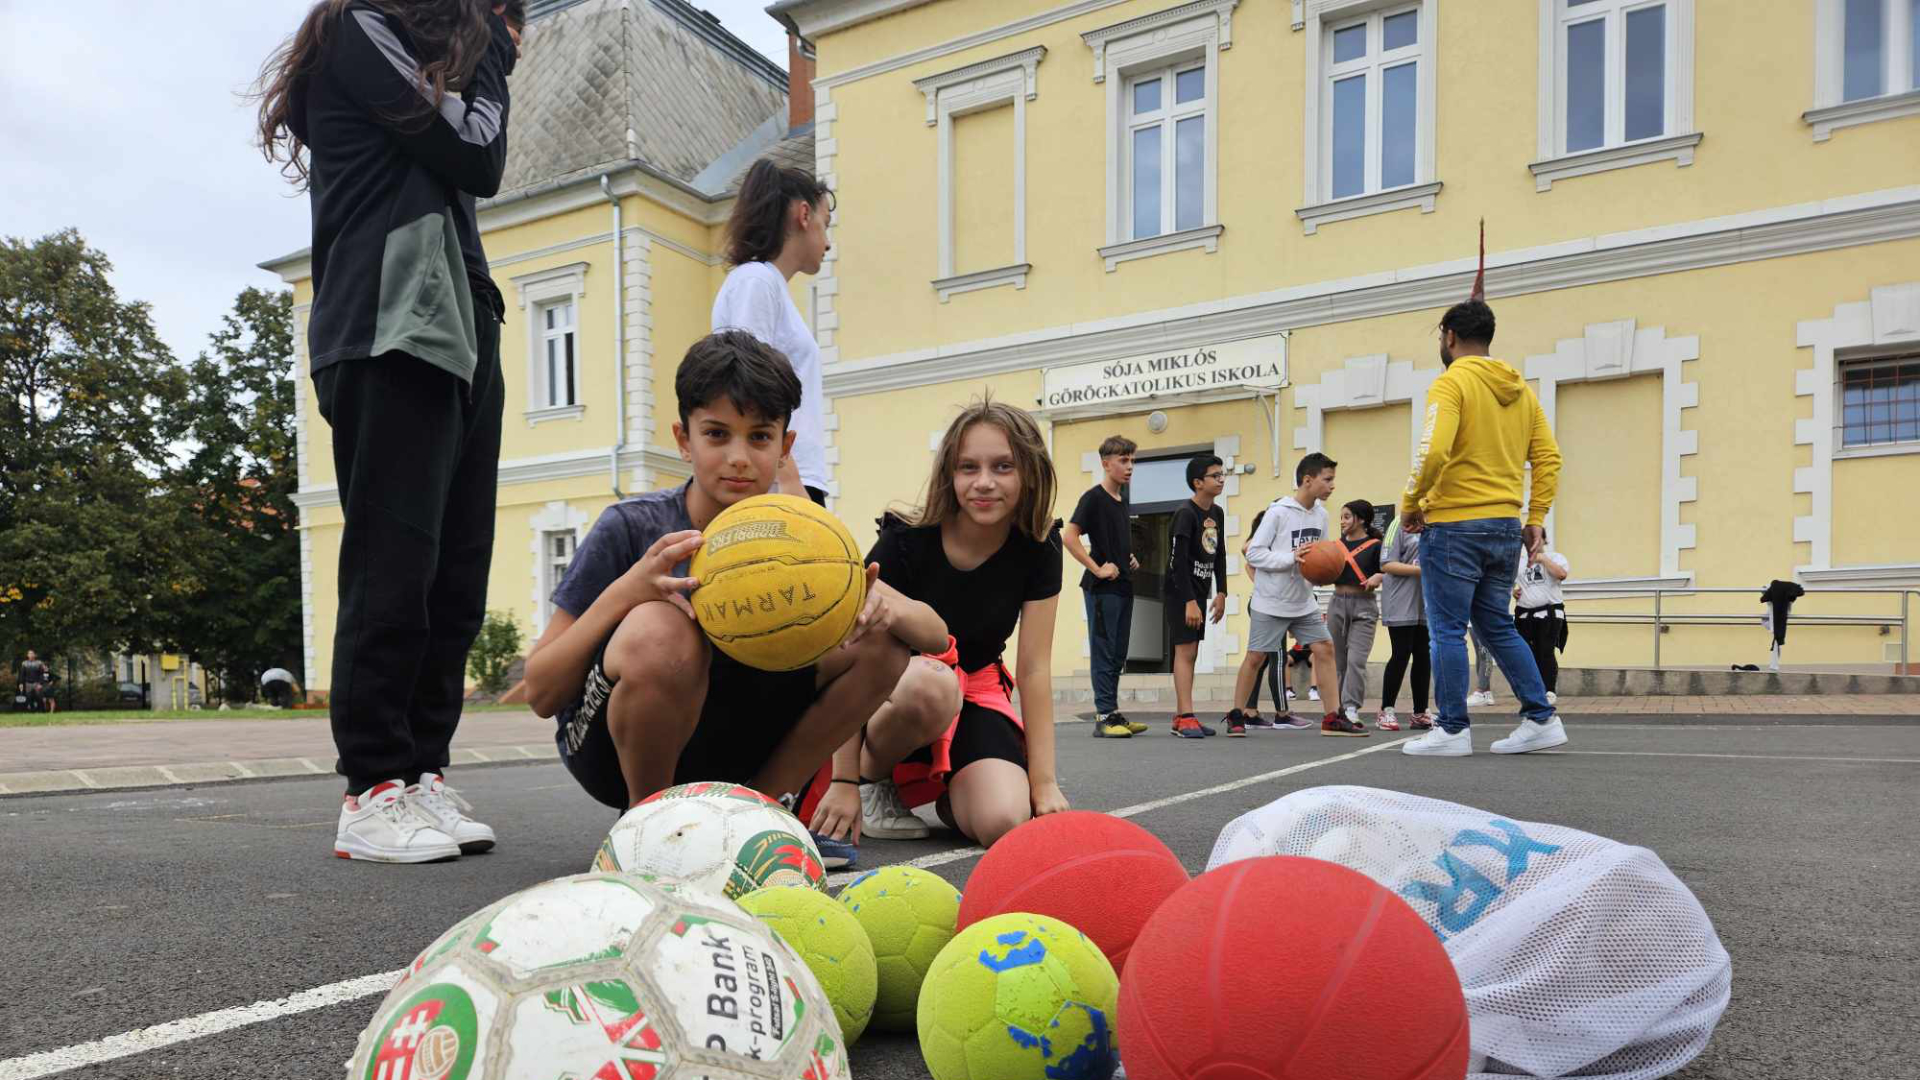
1230,226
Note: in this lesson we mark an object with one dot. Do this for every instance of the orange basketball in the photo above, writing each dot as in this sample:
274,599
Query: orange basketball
1323,561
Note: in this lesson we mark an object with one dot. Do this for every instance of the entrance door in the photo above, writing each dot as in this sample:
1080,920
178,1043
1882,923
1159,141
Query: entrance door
1159,487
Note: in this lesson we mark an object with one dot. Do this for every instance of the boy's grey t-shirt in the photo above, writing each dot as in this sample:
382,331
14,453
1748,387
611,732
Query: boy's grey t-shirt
622,535
1400,599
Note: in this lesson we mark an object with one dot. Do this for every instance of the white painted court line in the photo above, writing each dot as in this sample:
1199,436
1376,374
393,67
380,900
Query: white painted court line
1742,757
82,1055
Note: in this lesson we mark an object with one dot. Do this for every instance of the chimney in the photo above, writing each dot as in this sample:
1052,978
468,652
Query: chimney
800,66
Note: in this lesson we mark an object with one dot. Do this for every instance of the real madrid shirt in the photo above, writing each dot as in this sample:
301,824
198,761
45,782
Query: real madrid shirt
1197,570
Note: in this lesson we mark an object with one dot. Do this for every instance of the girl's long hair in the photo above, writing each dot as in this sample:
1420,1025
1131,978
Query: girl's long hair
1034,514
452,36
757,227
1362,510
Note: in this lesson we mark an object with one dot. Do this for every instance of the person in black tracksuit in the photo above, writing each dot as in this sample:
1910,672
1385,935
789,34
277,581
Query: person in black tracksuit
1196,582
404,338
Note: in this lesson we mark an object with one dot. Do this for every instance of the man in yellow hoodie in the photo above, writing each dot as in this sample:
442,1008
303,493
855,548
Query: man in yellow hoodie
1483,427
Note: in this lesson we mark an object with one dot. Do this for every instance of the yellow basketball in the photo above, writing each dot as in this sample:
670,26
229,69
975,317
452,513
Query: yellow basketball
780,582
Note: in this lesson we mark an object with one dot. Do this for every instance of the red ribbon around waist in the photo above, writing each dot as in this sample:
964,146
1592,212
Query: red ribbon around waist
921,782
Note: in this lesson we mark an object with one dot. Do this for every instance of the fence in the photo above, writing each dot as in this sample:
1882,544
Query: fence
1660,619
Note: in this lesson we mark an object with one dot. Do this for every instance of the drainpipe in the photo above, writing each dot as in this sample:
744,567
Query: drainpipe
619,341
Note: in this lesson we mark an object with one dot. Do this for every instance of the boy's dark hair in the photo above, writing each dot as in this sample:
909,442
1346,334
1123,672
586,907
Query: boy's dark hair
1470,320
1197,468
735,365
1312,465
516,14
1118,446
757,228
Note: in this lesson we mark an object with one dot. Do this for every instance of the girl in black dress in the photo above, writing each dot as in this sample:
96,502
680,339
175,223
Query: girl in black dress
983,550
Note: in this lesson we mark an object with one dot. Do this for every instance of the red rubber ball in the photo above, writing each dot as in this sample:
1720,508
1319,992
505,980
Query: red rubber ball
1101,874
1287,968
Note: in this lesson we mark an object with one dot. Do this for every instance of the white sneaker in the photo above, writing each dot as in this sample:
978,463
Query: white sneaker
382,825
1313,693
1352,715
1437,743
450,813
1480,697
1533,735
884,816
1553,698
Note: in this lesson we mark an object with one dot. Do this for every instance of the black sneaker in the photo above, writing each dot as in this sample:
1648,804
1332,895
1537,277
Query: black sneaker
1335,724
1236,722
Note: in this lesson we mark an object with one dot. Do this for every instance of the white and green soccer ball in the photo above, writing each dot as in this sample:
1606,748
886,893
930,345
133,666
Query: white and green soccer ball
604,977
720,838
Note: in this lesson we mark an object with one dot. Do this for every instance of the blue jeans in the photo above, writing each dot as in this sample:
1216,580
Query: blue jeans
1109,626
1466,573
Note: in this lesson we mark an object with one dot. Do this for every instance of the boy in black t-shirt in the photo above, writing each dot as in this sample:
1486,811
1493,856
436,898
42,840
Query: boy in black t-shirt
642,700
1103,517
1197,569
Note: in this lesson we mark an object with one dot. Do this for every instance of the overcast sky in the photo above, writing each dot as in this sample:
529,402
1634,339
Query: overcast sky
120,118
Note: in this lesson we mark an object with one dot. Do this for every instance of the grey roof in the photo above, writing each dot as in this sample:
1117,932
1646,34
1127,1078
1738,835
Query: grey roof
602,82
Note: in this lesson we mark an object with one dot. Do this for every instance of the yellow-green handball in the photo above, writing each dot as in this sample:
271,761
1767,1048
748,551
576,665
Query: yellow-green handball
830,942
908,914
1019,997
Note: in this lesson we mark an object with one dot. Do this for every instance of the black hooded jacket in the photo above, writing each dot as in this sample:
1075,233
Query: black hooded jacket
392,182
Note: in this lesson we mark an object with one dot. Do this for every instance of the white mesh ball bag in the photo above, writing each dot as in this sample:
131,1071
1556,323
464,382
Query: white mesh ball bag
1580,956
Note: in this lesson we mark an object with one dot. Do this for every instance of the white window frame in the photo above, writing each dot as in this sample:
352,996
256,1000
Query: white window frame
566,284
1677,141
1167,118
1175,38
555,518
990,84
1320,23
1830,112
563,334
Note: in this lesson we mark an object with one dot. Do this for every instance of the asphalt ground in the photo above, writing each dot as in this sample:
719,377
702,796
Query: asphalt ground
160,907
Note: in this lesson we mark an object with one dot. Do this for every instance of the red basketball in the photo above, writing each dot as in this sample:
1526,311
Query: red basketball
1102,874
1322,561
1287,968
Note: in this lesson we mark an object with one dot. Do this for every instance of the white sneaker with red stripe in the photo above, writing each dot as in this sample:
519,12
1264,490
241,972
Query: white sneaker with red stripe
450,813
382,824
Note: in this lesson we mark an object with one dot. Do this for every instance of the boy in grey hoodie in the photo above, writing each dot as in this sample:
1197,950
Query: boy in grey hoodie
1283,602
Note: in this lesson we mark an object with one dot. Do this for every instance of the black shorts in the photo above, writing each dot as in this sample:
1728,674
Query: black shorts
1178,632
747,713
981,734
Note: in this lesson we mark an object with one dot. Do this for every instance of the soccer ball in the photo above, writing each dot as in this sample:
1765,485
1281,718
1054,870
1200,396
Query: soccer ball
603,977
715,837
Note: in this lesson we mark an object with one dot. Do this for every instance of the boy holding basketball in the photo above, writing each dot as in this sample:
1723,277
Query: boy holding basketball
1283,601
642,700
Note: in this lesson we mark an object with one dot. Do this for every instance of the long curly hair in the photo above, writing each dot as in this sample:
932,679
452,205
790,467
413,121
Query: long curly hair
757,227
1034,515
452,36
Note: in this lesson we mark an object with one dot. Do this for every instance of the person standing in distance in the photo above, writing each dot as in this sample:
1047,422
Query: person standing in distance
1540,610
393,115
1197,570
1484,426
1104,518
778,228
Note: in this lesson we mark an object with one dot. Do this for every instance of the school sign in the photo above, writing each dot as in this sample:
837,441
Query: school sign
1204,369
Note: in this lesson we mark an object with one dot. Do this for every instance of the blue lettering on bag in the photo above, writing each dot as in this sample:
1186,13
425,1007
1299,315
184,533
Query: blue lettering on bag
1469,893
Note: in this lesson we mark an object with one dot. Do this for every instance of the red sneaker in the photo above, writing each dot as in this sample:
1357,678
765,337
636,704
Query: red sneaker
1336,724
1187,726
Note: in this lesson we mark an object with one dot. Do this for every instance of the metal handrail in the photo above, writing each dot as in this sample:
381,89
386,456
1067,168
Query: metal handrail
1659,620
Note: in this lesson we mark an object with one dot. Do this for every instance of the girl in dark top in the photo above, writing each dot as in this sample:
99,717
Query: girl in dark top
1353,614
983,550
392,114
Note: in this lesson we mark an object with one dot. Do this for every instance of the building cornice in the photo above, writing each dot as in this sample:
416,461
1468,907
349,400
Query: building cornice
1778,232
813,18
565,466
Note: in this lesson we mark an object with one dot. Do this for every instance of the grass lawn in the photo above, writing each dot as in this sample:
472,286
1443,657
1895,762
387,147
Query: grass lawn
123,716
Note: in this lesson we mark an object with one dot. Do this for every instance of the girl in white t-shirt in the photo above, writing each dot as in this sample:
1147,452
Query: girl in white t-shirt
1540,612
778,229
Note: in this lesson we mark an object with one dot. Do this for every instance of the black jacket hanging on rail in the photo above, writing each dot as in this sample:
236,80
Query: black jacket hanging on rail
1781,595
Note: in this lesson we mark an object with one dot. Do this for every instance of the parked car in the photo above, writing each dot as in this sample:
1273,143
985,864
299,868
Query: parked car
130,693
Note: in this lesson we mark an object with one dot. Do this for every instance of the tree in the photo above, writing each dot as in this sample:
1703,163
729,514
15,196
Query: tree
87,539
240,611
490,661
